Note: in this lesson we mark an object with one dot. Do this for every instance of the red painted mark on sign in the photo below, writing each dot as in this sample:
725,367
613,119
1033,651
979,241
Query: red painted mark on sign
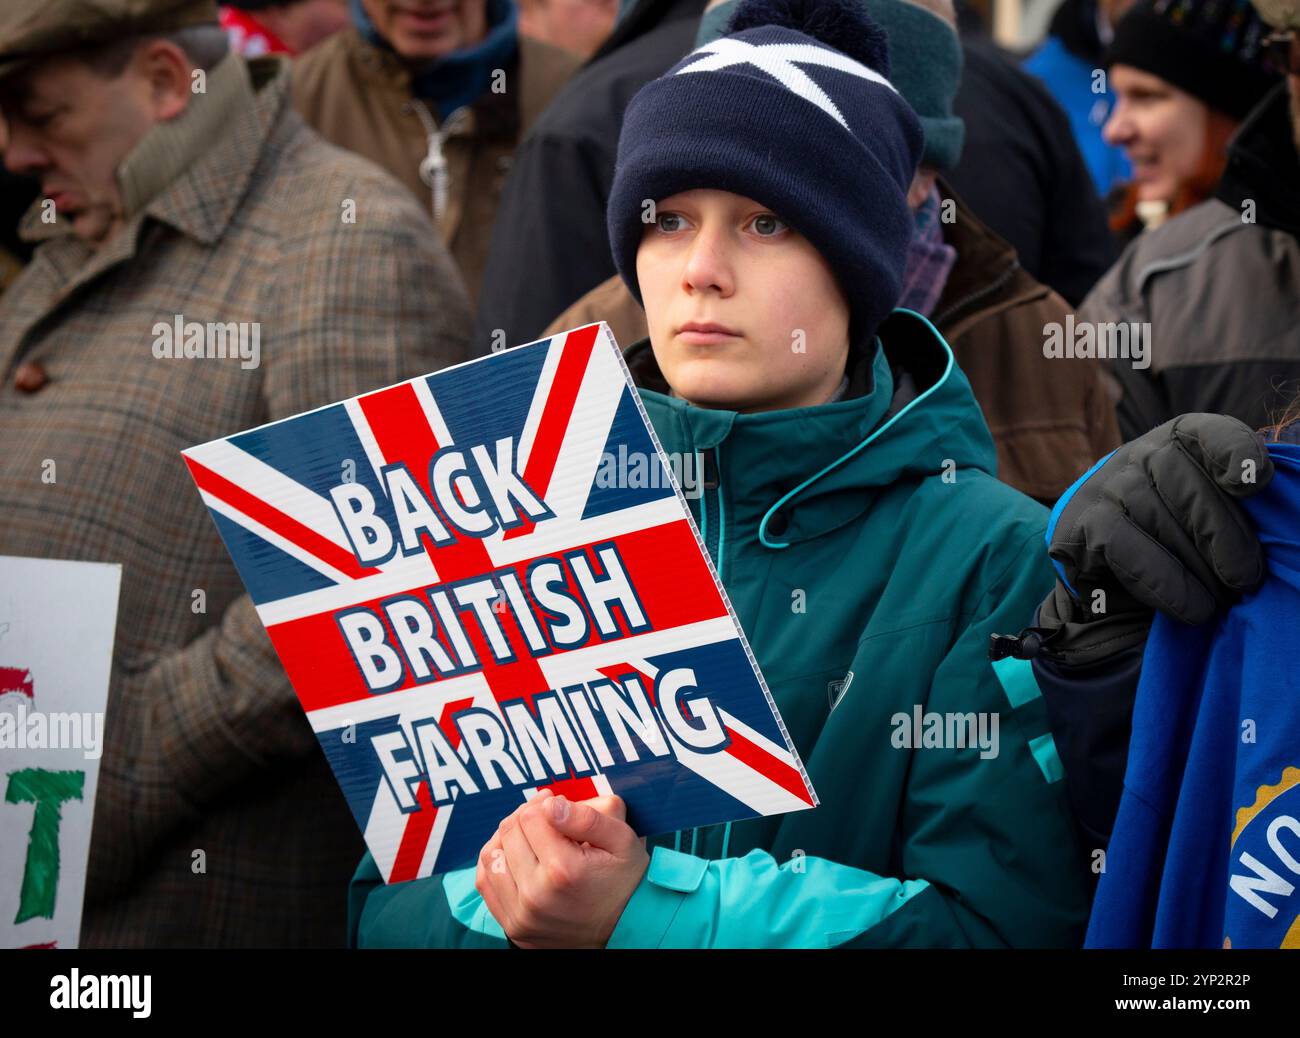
16,679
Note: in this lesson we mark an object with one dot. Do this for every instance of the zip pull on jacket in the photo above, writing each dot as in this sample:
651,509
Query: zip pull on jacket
433,167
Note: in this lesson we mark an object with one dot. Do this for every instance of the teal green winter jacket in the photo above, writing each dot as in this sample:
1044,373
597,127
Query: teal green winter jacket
869,553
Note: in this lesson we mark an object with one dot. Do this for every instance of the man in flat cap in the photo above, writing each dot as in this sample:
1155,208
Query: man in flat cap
179,189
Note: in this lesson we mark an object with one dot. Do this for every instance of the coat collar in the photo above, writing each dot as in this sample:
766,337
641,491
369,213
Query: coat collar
541,70
768,454
987,275
459,78
202,202
811,470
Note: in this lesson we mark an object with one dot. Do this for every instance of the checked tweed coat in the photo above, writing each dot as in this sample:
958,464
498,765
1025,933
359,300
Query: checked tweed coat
206,748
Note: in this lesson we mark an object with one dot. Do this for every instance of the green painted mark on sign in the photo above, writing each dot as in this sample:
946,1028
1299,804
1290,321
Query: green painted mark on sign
48,790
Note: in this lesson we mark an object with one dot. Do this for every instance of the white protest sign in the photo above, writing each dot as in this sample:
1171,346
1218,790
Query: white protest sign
56,645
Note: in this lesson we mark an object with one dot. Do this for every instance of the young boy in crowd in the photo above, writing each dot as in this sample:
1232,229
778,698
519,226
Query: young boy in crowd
855,521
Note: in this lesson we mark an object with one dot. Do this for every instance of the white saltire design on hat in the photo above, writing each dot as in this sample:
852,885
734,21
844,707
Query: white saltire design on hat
778,61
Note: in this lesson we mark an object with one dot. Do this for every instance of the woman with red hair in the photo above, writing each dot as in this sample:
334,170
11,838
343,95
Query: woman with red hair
1185,73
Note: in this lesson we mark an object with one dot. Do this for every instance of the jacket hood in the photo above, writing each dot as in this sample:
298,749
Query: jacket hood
1263,165
798,473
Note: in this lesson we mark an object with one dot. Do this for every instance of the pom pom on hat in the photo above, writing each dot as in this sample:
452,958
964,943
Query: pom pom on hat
842,24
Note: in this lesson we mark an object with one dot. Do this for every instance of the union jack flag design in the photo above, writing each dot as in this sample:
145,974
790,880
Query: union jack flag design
469,612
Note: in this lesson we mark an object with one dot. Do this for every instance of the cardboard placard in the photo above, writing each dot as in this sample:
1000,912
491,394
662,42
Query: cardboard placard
475,598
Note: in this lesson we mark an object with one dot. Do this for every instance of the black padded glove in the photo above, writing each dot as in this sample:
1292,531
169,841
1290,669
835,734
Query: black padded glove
1158,526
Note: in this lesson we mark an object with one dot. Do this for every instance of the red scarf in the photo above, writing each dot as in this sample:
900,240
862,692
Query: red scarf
250,37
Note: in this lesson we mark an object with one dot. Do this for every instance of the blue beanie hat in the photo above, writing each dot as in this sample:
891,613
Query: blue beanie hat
794,109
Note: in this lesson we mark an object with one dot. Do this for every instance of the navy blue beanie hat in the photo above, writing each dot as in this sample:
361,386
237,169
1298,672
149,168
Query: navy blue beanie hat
794,109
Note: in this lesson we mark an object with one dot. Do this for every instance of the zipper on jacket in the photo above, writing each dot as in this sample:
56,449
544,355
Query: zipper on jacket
433,167
713,516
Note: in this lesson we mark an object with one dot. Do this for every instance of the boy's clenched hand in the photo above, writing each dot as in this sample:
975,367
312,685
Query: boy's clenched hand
558,874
